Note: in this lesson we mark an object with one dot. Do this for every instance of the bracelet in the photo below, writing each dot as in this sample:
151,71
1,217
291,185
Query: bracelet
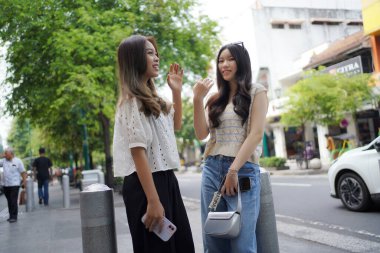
232,172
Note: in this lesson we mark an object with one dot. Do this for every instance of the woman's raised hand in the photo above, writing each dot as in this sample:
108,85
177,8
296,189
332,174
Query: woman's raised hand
175,77
202,87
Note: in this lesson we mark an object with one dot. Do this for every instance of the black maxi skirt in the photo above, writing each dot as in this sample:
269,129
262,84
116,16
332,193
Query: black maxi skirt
135,202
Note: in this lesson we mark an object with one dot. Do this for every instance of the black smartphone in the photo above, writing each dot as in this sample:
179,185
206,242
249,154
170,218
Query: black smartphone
245,184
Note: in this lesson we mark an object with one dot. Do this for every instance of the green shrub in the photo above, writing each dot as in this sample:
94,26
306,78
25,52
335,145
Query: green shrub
272,162
118,180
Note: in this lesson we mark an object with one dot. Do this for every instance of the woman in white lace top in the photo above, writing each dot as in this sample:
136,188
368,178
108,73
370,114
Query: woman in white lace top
144,148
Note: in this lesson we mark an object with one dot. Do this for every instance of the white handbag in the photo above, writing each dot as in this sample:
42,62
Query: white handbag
225,225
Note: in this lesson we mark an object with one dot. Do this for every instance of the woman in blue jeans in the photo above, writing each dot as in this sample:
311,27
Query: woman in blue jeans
235,118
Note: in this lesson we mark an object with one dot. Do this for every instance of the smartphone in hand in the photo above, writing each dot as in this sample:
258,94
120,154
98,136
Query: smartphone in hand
167,231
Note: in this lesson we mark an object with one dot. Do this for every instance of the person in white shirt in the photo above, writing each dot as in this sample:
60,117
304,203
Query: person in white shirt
144,148
13,169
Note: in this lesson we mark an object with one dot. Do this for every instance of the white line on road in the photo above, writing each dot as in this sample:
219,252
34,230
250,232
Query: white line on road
197,201
345,242
329,226
337,238
291,184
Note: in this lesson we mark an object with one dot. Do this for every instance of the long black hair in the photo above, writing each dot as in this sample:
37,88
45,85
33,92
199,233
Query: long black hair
242,99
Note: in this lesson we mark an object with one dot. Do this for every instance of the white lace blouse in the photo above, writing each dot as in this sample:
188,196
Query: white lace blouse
134,129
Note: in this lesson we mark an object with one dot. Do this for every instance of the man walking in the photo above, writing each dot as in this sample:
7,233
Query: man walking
13,168
42,168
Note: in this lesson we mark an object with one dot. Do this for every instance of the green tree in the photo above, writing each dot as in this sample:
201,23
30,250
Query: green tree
324,99
186,136
23,139
1,145
62,56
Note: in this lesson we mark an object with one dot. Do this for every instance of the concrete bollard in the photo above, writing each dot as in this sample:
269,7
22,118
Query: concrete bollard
29,194
266,229
66,191
98,219
101,177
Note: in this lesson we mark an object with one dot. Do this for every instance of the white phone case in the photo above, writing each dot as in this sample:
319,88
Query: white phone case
167,230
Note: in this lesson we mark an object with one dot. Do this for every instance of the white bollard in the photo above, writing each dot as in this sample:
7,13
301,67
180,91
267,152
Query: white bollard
101,177
98,219
66,191
266,229
29,194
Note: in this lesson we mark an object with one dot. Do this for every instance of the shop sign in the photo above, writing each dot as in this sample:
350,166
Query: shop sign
349,67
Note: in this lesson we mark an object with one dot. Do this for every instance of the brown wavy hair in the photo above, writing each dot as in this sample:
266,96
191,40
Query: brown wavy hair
132,65
242,99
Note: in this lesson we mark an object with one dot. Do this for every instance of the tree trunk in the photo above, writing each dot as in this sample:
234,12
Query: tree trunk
304,146
356,138
105,122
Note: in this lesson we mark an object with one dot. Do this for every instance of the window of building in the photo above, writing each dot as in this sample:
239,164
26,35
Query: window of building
325,21
355,23
278,26
295,26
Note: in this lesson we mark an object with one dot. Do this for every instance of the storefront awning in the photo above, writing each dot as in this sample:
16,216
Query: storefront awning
340,47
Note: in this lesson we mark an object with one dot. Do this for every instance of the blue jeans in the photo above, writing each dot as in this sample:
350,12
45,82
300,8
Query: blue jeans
214,169
43,190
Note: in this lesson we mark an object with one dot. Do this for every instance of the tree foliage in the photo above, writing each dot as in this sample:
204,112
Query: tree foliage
325,99
62,58
186,136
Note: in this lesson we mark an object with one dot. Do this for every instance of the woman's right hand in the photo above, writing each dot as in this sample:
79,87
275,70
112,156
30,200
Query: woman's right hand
202,87
154,215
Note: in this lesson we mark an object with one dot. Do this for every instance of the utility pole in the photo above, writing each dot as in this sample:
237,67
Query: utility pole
86,153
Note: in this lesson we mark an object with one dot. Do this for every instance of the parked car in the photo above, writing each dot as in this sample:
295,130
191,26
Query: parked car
355,177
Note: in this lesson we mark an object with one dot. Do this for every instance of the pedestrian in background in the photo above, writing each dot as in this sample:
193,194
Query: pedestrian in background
144,148
78,178
43,171
13,169
235,118
330,146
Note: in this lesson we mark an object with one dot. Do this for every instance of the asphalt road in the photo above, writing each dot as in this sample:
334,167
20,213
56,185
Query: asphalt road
308,219
308,198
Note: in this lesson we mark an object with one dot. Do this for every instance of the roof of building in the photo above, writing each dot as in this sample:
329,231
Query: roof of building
338,48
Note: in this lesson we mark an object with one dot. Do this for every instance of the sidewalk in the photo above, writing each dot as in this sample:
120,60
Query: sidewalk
294,170
55,229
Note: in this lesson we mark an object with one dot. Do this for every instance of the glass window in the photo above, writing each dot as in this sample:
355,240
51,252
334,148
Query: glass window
278,26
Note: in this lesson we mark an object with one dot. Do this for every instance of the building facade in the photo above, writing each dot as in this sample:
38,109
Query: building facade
286,35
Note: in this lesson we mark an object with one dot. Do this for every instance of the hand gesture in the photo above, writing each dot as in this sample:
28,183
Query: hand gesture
175,77
230,186
202,87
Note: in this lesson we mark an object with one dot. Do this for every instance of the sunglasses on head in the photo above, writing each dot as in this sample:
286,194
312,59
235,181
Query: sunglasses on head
239,43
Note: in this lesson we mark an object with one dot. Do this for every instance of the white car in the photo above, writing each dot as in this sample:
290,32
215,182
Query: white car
355,177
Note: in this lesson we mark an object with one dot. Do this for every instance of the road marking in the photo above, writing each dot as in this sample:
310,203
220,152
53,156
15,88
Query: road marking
329,226
196,201
337,240
291,184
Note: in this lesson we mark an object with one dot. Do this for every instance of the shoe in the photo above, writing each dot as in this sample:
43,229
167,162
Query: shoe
40,201
8,219
13,220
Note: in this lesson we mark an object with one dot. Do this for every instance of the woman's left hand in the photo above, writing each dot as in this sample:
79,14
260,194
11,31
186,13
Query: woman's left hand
175,77
230,185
